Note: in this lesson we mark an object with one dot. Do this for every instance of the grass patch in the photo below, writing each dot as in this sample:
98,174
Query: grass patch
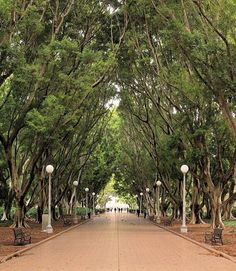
230,223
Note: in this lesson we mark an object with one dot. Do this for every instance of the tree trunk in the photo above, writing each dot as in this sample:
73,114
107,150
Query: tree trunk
180,210
39,214
8,204
227,114
4,216
227,211
216,209
20,207
195,206
20,214
208,209
8,211
164,208
54,213
175,211
60,210
42,197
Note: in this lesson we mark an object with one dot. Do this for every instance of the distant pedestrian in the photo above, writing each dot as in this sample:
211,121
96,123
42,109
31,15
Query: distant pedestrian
138,212
115,210
144,213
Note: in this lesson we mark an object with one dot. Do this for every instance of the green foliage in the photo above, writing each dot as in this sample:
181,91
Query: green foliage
56,80
32,213
43,121
82,211
230,223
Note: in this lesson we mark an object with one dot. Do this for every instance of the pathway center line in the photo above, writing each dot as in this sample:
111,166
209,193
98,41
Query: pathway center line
118,241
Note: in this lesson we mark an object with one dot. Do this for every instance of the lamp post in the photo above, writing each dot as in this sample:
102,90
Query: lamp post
93,203
49,170
141,195
86,207
184,229
75,183
158,183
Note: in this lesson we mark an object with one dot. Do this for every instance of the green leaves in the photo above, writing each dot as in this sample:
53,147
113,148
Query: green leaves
45,120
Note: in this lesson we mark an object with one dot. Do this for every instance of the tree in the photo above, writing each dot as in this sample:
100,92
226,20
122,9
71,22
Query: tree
50,65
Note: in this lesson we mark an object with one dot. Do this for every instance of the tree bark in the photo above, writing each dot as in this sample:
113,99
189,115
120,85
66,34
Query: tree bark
195,206
20,214
215,198
39,214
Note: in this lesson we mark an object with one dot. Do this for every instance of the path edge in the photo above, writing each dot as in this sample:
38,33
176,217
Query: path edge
219,253
17,253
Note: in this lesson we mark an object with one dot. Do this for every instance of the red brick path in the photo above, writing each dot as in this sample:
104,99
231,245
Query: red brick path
118,242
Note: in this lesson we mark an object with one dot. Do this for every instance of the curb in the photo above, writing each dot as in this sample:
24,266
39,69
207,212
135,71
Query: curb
219,253
17,253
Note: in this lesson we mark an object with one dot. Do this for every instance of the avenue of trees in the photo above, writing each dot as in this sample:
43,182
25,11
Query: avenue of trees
177,78
56,58
172,65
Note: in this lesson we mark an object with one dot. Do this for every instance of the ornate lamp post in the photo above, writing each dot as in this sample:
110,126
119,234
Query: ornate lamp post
93,203
158,183
75,183
86,207
184,229
49,170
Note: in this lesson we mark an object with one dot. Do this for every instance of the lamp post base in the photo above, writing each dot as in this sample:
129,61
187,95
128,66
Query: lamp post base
184,229
75,220
49,229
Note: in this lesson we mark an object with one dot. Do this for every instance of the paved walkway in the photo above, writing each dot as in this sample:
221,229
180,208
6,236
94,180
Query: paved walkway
115,242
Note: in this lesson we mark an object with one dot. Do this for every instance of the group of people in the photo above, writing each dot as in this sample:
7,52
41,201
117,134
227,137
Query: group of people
120,210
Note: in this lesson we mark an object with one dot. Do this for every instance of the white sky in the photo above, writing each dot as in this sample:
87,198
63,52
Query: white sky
114,203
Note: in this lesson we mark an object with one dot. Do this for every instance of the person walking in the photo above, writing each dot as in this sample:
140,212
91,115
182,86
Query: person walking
144,213
138,212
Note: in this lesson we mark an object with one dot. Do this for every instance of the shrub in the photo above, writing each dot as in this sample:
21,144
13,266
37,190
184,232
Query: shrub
32,213
234,211
82,211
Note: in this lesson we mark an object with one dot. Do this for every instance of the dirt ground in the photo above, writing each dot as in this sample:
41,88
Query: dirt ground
195,232
7,236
